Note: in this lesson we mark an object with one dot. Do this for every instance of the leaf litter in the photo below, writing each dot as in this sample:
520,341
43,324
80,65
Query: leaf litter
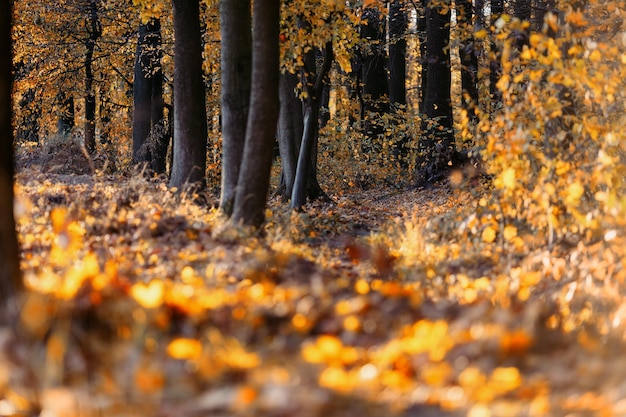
141,301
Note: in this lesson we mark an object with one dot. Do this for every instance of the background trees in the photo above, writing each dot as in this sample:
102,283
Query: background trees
403,48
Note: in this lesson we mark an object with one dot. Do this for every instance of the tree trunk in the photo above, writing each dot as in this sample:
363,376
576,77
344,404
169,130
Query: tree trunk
150,136
398,24
236,67
190,126
290,130
522,11
95,31
436,148
495,69
28,127
422,36
66,114
374,76
305,182
254,176
540,9
142,95
10,278
469,59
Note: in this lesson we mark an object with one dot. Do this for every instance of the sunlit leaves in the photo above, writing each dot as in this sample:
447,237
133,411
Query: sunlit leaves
150,295
184,348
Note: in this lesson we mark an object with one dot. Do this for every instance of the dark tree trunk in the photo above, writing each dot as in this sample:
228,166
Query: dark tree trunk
398,24
522,11
306,180
150,136
469,59
422,37
254,176
28,128
105,120
142,95
66,114
495,69
190,126
236,67
374,75
10,278
290,129
540,9
436,147
95,31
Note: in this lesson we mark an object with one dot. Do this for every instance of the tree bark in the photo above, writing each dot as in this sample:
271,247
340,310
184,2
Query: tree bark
374,75
495,69
66,114
522,10
469,59
436,147
236,68
306,179
290,129
253,182
398,24
190,125
95,31
30,105
422,36
142,94
10,278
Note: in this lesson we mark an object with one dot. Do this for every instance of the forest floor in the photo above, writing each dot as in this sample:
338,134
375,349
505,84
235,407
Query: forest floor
146,302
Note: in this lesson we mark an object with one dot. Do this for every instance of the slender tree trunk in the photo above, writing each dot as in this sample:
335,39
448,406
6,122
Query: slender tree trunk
469,59
95,31
436,148
422,36
398,24
495,69
540,9
306,180
66,114
10,278
190,126
28,127
141,96
290,129
254,176
374,75
522,11
236,68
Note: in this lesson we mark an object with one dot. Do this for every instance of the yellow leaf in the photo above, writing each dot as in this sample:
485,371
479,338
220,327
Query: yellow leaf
508,178
510,232
184,348
148,296
506,379
329,345
489,234
573,193
481,34
58,217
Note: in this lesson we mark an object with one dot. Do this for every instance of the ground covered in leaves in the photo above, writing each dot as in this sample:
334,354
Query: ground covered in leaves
146,302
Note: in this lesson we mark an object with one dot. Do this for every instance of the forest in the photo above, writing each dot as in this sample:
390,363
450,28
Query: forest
313,208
